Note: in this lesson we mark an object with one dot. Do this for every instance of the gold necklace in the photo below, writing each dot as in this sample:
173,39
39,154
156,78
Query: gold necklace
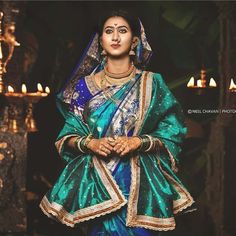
119,75
120,81
114,82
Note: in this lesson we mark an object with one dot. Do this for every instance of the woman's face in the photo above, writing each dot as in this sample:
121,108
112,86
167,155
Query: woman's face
117,37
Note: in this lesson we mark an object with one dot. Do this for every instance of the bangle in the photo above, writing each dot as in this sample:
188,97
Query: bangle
151,143
146,143
86,141
78,144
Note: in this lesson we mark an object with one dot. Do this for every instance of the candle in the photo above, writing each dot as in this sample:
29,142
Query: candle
212,83
199,83
40,88
47,90
191,82
232,85
23,88
10,89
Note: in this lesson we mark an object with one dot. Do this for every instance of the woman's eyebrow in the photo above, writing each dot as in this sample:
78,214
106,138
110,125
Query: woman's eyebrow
121,26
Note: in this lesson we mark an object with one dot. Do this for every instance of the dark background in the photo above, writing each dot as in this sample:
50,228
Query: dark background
184,37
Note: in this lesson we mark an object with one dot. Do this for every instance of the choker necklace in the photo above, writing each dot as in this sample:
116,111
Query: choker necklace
105,79
119,75
120,81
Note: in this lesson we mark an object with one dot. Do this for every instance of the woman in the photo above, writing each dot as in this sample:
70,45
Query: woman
121,140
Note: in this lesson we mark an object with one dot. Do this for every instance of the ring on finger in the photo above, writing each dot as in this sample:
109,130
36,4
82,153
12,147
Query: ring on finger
110,139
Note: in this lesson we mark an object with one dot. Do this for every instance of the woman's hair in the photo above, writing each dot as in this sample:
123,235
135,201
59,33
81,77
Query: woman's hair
132,21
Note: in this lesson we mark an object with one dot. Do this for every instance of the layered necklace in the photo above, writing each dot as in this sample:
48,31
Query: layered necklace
116,79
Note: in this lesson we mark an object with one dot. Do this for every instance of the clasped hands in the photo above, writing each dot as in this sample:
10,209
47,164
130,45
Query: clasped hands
121,145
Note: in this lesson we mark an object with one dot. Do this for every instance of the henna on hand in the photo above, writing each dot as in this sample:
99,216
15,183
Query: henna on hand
100,146
124,145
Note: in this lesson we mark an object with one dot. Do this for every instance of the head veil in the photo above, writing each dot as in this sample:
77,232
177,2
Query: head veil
92,62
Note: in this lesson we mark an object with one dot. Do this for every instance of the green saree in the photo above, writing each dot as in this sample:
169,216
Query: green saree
88,189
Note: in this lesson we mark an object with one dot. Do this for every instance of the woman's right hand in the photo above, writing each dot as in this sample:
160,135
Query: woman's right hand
100,146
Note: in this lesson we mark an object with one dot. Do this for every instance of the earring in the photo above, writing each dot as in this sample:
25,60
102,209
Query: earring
132,52
103,53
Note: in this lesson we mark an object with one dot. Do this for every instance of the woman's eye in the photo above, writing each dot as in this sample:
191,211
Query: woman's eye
122,30
108,31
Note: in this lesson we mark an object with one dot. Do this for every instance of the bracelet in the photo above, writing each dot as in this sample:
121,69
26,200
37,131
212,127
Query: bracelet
148,143
86,141
151,143
78,143
145,142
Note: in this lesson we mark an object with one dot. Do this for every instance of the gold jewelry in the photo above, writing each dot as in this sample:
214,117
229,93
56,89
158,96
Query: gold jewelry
120,81
87,140
103,53
117,81
119,75
132,52
78,143
110,80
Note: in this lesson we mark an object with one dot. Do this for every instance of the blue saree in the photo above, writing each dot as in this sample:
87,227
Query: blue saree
134,195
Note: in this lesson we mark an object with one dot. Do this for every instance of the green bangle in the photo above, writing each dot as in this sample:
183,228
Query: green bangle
85,142
77,143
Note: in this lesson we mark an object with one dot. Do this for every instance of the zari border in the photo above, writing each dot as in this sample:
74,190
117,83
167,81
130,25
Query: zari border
185,199
153,223
91,84
172,159
134,220
145,98
61,141
116,202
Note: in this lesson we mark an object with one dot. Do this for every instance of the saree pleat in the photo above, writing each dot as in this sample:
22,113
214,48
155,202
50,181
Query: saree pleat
115,224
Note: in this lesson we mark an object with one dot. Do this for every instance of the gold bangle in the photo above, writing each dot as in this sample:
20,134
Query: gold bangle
77,144
87,140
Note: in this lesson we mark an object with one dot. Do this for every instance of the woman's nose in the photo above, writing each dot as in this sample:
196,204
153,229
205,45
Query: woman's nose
115,36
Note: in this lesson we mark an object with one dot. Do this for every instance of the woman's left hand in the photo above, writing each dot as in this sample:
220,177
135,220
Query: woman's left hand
124,145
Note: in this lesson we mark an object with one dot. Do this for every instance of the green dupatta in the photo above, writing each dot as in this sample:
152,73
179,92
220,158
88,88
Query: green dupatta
86,188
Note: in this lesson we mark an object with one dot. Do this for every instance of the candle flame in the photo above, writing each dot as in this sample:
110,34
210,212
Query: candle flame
190,82
40,88
212,83
47,90
199,83
23,88
10,89
232,85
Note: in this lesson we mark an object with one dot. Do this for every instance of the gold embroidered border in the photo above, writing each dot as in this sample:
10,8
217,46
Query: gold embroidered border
185,198
134,220
142,93
108,181
116,202
61,141
91,84
134,190
153,223
148,93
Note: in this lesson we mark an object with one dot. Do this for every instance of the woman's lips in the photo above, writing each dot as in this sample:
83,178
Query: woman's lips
115,45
